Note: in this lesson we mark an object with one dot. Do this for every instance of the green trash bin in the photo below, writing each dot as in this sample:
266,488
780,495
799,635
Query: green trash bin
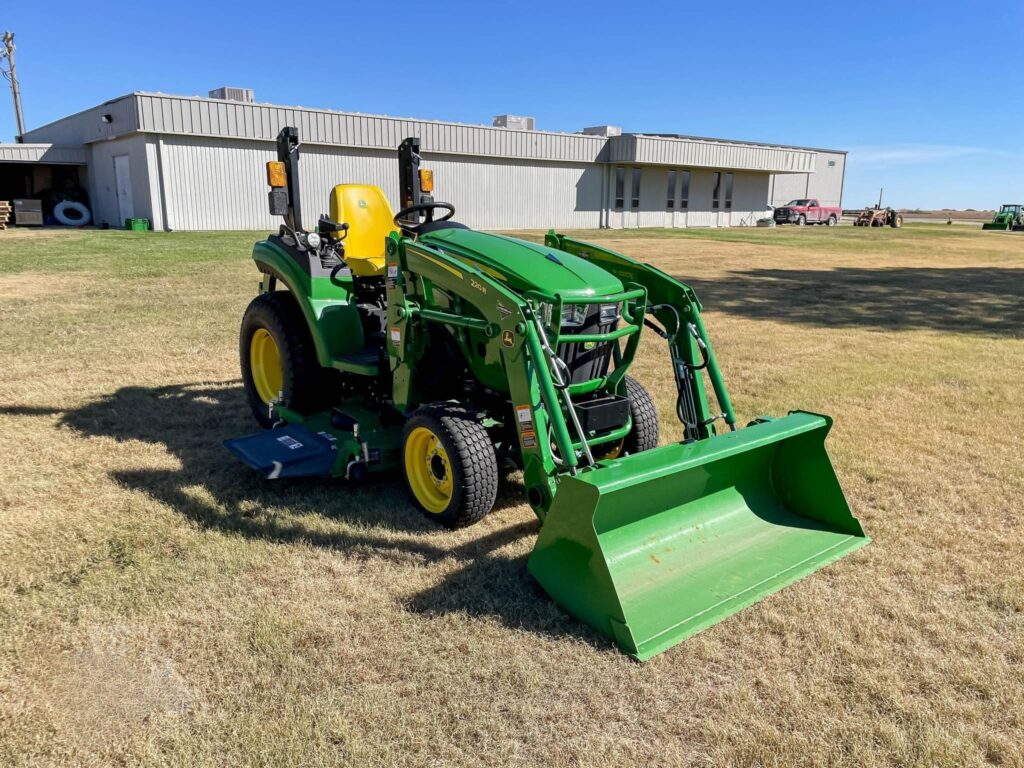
136,225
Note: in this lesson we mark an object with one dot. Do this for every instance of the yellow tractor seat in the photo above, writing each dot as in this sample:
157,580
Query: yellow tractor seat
370,220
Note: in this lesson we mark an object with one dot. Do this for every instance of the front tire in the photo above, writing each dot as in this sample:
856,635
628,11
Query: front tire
449,465
801,220
897,221
645,432
278,357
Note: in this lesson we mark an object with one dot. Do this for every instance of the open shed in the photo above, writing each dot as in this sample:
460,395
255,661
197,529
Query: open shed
46,172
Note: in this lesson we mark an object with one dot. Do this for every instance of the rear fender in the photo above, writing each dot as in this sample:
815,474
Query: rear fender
325,300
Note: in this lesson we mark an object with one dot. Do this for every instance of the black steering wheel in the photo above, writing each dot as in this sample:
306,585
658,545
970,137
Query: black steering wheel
428,210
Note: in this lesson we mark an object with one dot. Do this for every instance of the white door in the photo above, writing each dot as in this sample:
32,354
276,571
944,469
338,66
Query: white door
123,187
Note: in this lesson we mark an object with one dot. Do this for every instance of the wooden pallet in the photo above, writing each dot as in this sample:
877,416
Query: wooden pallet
5,214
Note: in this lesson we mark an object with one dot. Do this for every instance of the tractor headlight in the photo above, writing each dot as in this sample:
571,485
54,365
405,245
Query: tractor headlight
573,315
609,314
313,240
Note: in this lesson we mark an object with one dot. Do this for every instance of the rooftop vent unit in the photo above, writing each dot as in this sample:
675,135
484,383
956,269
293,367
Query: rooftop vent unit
245,95
514,122
603,130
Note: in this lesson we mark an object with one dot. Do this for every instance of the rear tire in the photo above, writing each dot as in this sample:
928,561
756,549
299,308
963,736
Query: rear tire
277,353
449,465
644,434
832,221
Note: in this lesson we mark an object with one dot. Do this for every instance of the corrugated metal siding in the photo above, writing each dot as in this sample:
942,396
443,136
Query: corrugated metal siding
215,185
220,184
212,118
826,183
43,153
87,126
516,194
697,153
209,155
103,196
750,199
786,187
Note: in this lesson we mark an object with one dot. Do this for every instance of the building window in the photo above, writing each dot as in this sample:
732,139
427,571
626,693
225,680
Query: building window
635,202
716,195
670,200
620,185
728,191
684,190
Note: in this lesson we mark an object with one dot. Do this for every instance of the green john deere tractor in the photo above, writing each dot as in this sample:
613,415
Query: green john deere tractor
1009,217
411,343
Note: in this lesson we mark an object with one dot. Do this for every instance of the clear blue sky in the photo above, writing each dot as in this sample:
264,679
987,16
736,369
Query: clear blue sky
926,96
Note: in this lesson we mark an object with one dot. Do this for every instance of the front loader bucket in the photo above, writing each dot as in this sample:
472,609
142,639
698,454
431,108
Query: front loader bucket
652,548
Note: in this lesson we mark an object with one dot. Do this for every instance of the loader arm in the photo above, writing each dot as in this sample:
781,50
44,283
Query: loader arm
674,304
414,271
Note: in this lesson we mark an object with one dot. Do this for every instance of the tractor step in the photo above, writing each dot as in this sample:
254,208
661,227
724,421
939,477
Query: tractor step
365,362
289,451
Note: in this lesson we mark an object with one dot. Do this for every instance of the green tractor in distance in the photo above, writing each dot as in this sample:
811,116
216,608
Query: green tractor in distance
1009,218
382,344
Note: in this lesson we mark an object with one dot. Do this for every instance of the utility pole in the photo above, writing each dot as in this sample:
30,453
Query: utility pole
11,75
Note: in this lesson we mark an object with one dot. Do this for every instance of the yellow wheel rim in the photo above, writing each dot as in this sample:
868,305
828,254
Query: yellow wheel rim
429,470
265,364
616,450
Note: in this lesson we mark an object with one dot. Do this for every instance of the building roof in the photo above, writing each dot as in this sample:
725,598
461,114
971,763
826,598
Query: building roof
44,153
166,114
738,141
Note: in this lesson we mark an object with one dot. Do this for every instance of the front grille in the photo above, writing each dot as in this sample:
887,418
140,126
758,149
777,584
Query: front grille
587,361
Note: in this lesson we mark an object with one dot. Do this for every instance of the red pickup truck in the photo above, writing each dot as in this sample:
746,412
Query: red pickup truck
807,211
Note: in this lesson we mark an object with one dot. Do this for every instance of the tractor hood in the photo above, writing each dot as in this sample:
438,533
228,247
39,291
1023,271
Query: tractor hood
525,266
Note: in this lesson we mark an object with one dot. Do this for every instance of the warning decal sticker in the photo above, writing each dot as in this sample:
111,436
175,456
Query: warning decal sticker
524,417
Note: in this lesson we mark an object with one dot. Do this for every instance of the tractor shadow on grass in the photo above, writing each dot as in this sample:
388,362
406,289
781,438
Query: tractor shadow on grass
373,520
981,300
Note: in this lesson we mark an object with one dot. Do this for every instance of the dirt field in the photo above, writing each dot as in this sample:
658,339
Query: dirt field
159,605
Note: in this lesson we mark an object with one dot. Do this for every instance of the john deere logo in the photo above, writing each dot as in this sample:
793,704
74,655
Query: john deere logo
507,338
362,203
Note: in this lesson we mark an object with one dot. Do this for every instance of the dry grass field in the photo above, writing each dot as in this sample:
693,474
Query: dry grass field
159,605
978,216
